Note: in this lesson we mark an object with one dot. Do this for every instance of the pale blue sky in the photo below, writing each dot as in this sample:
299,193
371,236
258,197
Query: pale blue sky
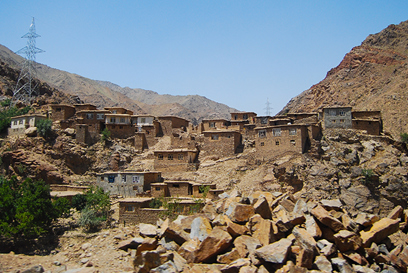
235,52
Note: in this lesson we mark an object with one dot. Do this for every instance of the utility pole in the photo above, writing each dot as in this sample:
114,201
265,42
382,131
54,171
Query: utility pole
268,107
25,90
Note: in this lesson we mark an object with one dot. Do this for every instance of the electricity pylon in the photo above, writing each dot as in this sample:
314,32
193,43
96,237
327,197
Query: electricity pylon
25,90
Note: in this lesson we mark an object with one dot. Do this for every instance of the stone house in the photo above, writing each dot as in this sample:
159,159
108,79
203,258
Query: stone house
274,140
175,160
58,112
369,121
337,117
142,120
262,121
119,110
223,143
241,118
95,119
20,123
84,107
169,123
214,124
119,125
127,183
183,189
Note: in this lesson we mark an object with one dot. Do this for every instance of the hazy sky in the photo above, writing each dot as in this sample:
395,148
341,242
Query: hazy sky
234,52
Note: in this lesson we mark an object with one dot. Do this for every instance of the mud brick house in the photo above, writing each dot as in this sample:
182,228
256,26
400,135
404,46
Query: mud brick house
183,189
169,123
241,118
58,112
119,125
119,110
221,142
175,160
369,121
303,117
20,123
213,124
142,120
337,117
274,140
262,121
136,210
95,119
84,107
127,183
279,120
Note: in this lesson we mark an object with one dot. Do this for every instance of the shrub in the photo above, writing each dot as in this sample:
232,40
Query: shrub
90,219
79,202
155,203
44,127
94,206
105,135
404,137
7,114
367,173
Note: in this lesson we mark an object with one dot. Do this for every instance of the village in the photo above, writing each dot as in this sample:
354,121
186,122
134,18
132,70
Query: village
135,189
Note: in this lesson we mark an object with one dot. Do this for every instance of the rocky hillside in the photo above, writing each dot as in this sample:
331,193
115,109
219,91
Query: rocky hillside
372,76
104,94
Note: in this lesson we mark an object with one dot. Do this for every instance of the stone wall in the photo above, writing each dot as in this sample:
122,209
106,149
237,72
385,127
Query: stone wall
337,117
222,144
62,112
140,141
180,189
373,127
142,215
121,131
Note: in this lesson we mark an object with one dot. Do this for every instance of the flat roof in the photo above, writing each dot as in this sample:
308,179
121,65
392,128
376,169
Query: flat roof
118,115
214,119
93,111
135,199
175,151
60,105
221,131
233,113
64,193
143,116
279,126
128,172
30,115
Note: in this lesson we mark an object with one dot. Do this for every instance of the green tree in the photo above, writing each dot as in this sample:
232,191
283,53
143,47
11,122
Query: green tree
26,208
105,135
95,209
404,137
79,202
44,127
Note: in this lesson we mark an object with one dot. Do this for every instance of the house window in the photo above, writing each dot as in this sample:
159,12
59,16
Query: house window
228,136
214,137
180,156
160,156
21,121
15,122
130,208
276,132
135,179
113,120
100,116
293,142
142,120
212,124
176,186
262,133
158,189
245,116
170,157
264,120
89,116
236,117
58,109
332,112
277,143
292,131
333,121
342,113
123,178
122,120
111,178
262,144
342,121
114,112
120,127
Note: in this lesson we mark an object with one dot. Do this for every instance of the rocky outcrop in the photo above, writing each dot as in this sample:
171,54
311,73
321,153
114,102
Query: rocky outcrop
368,245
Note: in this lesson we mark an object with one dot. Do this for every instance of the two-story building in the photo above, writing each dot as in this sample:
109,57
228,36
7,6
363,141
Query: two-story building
20,123
175,160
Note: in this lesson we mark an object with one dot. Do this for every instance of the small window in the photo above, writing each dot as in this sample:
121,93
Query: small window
245,116
122,120
176,186
332,113
113,120
135,179
21,121
333,121
228,136
264,120
214,137
58,109
111,178
293,142
342,121
292,131
170,157
342,113
262,144
15,122
114,112
235,117
113,127
89,116
158,189
212,124
142,120
277,143
180,156
262,133
123,178
130,208
160,156
276,132
120,127
100,116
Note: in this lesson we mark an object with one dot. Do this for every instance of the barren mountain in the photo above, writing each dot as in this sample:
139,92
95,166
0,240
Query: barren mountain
104,94
372,76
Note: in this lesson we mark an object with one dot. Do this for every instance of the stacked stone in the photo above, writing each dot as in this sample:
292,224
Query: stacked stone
273,232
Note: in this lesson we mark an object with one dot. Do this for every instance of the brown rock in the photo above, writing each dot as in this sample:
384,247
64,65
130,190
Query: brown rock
366,219
261,229
324,217
146,261
239,213
312,227
326,248
305,258
396,213
235,266
356,258
188,250
147,244
346,240
276,252
215,243
262,208
331,204
204,268
305,240
323,264
229,257
342,265
176,233
348,223
147,230
379,231
200,228
236,230
246,245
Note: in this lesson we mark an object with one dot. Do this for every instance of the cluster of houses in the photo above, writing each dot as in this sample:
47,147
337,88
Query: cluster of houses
190,144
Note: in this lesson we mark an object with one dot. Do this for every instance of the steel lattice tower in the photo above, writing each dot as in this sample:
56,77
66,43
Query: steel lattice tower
25,90
268,107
